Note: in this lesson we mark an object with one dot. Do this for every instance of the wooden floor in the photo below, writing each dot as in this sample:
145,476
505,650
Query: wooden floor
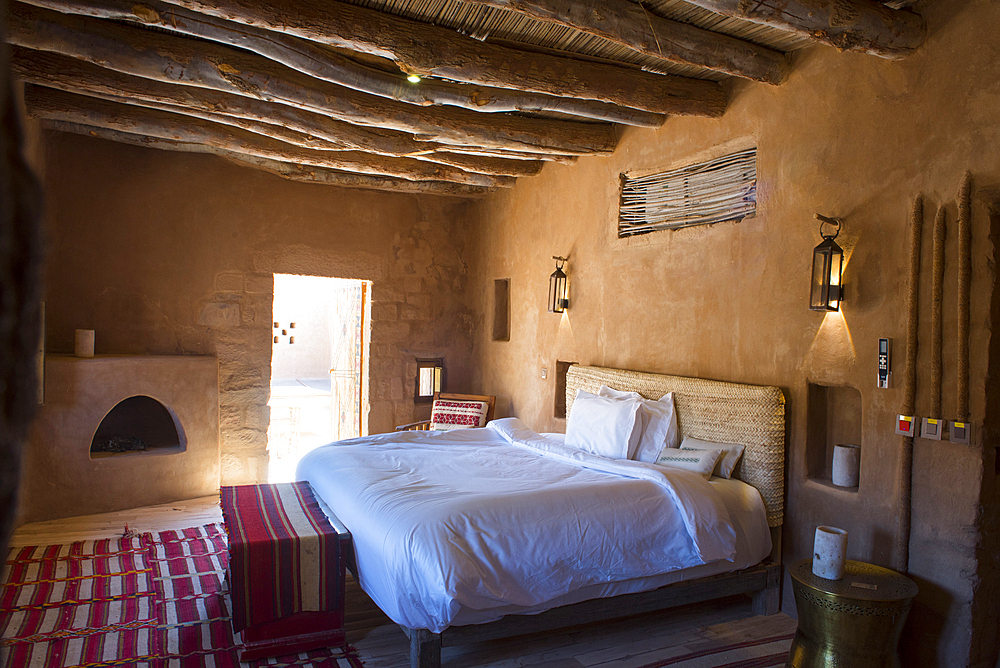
627,643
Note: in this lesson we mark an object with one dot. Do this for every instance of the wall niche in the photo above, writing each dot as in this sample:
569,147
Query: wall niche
834,417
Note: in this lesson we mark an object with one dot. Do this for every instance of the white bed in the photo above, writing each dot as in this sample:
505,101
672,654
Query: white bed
464,527
453,530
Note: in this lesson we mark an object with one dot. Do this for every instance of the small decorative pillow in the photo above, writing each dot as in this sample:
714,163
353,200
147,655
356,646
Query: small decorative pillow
659,423
697,461
603,426
448,414
731,454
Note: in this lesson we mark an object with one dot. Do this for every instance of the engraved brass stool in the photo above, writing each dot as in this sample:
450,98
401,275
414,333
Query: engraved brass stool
850,623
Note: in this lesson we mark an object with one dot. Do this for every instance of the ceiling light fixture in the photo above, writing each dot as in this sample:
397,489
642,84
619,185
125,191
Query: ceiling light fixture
413,78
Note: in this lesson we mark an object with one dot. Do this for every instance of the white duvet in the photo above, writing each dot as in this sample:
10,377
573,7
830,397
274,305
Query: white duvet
466,526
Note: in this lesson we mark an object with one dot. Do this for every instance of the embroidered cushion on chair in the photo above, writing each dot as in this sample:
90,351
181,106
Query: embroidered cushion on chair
449,414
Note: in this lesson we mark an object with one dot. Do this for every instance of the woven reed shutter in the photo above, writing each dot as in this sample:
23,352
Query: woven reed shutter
709,192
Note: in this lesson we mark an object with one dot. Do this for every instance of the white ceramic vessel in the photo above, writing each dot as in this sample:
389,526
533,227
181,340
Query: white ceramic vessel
829,553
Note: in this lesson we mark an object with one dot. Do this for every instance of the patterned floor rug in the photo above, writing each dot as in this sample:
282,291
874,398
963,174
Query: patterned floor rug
150,600
758,653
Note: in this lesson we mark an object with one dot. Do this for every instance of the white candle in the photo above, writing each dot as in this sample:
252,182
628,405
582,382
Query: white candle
84,343
829,552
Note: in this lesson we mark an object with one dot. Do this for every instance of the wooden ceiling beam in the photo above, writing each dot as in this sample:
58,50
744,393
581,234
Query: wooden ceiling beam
429,50
323,63
292,171
51,104
631,25
65,81
76,76
849,25
176,59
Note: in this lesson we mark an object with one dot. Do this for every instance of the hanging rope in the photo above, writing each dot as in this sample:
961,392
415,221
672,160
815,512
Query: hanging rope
937,291
964,285
904,477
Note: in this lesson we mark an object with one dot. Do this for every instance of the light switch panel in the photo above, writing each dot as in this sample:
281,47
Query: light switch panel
906,425
960,432
931,428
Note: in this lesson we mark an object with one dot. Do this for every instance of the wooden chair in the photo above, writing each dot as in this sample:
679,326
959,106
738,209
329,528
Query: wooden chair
425,425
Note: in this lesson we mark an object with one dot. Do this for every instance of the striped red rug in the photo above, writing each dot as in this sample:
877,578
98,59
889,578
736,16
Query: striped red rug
152,601
766,652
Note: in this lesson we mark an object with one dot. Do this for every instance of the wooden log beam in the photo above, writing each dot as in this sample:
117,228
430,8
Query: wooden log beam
492,165
176,59
322,63
315,130
430,50
292,171
629,24
58,105
849,25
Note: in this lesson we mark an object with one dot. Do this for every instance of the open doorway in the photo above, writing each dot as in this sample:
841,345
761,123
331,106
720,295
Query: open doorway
319,367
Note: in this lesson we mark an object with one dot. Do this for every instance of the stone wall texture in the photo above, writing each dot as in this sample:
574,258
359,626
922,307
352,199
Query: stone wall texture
849,136
169,254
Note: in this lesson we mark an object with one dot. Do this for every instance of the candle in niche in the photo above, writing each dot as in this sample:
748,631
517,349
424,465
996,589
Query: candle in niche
829,553
84,343
846,465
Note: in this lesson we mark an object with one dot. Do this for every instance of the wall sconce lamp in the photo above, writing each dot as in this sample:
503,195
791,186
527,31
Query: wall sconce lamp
828,265
558,294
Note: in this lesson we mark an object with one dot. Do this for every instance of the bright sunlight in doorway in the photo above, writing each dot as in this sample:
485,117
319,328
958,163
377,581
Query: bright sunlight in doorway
319,367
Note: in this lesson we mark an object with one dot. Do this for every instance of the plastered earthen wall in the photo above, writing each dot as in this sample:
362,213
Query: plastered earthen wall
171,254
849,136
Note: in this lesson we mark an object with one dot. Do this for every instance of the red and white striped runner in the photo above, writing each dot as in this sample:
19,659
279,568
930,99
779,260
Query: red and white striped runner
147,601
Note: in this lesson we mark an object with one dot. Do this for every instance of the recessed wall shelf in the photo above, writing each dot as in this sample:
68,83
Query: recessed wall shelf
560,399
501,309
834,417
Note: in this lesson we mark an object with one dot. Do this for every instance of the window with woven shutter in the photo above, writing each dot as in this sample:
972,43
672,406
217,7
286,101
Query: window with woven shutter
723,189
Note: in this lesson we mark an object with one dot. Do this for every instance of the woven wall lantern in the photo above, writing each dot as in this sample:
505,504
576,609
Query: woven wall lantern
558,288
828,265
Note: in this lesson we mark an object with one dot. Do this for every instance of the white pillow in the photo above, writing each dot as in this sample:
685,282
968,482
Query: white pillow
659,429
603,426
698,461
731,454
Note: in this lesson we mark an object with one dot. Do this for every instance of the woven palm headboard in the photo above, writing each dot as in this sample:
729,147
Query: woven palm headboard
711,410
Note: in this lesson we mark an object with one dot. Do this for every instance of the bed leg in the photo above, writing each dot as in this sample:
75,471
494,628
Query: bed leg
425,648
767,601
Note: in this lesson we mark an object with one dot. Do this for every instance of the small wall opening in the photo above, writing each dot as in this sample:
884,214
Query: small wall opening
501,309
562,368
834,418
137,424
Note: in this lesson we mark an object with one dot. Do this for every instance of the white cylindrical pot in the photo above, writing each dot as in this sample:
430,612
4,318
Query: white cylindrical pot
84,343
846,465
829,552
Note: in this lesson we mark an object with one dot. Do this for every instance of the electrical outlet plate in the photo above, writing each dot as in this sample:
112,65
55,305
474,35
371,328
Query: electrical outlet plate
906,425
931,428
960,432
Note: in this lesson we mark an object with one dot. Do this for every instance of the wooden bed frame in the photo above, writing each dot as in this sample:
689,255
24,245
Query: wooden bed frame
710,410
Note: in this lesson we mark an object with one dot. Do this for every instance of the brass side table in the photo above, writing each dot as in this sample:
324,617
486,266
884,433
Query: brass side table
854,622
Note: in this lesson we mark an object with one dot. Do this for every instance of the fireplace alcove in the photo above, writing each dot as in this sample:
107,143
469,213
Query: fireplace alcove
62,478
134,422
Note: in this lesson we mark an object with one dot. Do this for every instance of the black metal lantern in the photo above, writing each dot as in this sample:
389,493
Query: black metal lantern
827,289
558,289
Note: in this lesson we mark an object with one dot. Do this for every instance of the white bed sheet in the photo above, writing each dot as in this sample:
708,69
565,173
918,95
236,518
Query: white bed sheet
466,526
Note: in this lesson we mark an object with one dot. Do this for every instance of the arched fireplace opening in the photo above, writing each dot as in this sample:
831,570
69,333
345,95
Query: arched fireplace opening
137,424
